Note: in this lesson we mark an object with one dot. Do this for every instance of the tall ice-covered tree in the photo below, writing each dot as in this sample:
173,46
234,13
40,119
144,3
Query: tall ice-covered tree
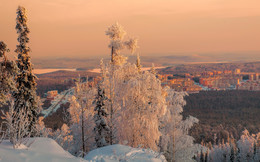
25,97
116,33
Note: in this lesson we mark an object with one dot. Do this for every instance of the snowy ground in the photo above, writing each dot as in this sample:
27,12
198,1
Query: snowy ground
41,150
120,153
47,150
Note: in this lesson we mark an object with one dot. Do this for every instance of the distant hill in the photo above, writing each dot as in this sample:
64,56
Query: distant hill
146,61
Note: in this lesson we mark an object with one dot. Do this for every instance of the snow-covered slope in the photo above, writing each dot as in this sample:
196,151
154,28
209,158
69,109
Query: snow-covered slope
121,153
47,150
41,150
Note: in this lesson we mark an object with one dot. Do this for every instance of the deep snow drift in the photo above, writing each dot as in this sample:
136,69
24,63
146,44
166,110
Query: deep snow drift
41,150
46,149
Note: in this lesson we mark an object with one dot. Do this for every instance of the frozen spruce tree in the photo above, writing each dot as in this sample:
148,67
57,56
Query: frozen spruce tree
101,129
25,97
8,70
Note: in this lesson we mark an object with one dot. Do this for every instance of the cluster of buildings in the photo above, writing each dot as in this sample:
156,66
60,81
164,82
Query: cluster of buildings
179,84
50,95
221,82
218,80
252,84
212,80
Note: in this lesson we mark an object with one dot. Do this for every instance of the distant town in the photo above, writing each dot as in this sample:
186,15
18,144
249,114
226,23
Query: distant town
212,80
194,82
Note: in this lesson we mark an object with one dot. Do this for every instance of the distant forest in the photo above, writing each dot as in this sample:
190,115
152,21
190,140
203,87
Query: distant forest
224,113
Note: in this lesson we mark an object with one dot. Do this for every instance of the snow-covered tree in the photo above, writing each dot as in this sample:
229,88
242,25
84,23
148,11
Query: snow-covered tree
8,70
142,111
142,106
81,112
101,129
17,125
25,96
145,112
247,148
175,142
42,131
116,33
64,137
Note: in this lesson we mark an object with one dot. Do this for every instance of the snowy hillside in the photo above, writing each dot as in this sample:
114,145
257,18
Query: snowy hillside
46,149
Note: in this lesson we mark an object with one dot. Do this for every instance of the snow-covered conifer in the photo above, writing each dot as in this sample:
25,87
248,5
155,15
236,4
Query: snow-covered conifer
8,70
25,96
101,129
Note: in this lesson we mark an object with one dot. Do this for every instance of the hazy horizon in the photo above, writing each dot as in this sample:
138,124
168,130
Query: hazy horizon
67,29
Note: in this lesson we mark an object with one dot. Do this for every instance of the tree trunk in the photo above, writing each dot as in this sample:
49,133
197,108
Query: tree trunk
82,131
112,54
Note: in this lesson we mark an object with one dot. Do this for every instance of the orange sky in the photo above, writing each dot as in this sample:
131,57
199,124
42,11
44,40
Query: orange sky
69,28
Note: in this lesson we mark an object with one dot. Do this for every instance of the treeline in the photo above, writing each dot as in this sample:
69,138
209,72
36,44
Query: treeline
224,113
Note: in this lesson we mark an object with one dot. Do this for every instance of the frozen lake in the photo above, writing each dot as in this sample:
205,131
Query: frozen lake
43,71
